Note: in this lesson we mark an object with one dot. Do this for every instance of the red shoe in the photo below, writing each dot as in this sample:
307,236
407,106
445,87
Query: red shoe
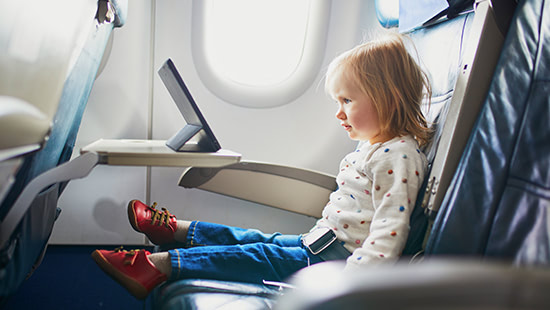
158,226
132,269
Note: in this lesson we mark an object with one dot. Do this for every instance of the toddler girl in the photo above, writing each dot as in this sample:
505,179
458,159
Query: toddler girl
378,89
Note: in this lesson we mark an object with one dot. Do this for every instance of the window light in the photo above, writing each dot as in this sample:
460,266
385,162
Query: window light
259,53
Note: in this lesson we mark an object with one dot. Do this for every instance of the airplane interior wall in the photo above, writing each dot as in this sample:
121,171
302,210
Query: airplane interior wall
129,101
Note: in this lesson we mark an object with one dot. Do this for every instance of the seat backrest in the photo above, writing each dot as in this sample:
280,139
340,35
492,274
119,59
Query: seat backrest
459,56
442,73
34,61
62,106
500,191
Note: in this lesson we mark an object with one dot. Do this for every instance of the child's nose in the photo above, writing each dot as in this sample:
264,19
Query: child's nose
340,114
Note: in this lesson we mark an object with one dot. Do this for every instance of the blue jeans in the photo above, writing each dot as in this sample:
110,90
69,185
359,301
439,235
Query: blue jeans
220,252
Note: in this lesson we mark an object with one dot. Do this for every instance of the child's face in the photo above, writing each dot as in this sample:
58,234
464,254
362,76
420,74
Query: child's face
356,111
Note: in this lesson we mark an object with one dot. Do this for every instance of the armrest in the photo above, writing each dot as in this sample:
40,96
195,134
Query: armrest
432,284
74,169
293,189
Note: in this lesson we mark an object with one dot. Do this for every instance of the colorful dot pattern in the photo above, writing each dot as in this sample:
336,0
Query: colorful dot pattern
370,210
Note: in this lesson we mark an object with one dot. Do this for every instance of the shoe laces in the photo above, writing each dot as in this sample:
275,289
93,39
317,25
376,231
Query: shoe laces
129,256
159,217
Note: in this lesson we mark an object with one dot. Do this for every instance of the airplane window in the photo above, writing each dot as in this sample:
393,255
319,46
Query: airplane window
241,35
259,53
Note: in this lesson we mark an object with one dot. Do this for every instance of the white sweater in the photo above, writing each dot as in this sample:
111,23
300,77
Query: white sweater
370,210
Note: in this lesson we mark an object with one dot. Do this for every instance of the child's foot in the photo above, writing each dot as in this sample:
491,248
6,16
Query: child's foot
158,226
132,269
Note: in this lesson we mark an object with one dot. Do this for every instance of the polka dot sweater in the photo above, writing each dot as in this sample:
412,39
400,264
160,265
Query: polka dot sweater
370,210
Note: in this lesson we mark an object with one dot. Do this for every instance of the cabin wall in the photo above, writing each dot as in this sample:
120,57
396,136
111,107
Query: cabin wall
129,101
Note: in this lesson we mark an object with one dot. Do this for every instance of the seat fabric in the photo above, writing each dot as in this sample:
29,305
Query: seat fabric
497,206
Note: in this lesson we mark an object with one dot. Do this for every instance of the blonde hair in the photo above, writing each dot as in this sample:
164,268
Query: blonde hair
394,82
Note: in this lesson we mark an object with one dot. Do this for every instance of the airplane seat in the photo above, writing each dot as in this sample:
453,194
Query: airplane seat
500,190
448,63
489,245
50,57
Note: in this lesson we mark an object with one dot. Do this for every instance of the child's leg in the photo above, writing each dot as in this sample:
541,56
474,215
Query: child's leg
222,252
163,228
140,271
204,233
244,263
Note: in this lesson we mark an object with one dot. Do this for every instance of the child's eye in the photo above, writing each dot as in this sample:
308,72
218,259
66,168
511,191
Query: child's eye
346,100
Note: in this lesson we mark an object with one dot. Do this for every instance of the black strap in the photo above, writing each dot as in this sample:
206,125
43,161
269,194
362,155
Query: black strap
323,243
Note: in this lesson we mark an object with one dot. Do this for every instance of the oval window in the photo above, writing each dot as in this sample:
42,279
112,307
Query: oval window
259,53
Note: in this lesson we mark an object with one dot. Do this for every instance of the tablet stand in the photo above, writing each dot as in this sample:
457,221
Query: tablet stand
179,140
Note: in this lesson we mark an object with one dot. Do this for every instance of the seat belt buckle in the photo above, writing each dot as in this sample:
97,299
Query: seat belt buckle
318,240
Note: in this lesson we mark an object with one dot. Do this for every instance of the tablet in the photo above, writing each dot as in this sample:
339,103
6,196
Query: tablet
196,126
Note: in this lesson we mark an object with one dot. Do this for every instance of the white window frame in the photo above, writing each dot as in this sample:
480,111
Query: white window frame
271,95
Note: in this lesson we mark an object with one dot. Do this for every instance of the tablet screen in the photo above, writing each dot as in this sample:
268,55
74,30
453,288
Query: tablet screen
196,126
